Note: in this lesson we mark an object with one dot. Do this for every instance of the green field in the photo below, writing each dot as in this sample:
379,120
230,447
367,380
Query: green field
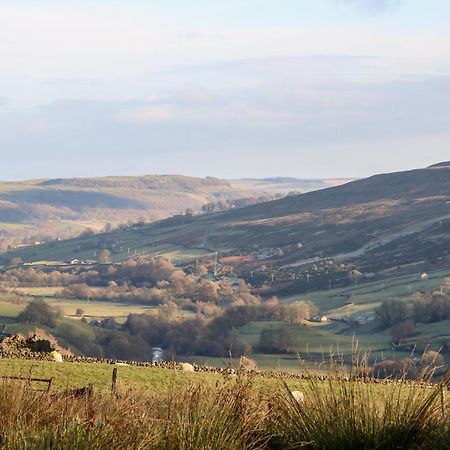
9,310
92,309
71,374
366,296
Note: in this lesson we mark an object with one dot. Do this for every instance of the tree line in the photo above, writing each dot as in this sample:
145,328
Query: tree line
222,205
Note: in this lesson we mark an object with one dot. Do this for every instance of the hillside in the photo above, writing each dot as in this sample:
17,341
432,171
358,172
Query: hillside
107,198
60,208
380,222
35,210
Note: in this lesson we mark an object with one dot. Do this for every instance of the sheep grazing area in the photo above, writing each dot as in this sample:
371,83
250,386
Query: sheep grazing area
168,408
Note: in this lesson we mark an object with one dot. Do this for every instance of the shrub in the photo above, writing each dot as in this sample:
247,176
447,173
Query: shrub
38,312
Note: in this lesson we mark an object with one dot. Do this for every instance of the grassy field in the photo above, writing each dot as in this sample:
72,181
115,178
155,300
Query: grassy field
317,342
366,296
92,309
71,374
45,291
9,311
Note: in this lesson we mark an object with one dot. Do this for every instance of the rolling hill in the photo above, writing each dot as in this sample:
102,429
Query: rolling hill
381,222
61,208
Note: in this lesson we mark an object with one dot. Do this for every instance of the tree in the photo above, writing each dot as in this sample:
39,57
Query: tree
87,232
104,257
276,340
207,291
38,312
402,330
296,312
391,312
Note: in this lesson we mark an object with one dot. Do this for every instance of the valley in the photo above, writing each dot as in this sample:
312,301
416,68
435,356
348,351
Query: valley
347,250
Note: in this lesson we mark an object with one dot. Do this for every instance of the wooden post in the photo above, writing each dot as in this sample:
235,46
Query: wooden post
443,389
114,381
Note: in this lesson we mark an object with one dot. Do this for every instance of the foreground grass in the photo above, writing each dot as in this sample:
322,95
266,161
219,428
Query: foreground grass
232,413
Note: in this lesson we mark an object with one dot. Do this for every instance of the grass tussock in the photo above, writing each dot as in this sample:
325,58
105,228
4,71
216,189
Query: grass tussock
234,414
196,417
353,414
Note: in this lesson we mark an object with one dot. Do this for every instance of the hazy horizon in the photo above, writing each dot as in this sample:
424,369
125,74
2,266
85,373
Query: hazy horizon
268,177
255,89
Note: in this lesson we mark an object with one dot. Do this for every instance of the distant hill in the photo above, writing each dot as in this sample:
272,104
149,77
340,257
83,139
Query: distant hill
37,209
380,222
64,207
442,164
285,185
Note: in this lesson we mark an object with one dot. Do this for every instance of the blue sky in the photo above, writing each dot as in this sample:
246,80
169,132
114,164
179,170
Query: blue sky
248,88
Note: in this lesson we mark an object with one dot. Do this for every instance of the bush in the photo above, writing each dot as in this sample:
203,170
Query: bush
278,340
38,312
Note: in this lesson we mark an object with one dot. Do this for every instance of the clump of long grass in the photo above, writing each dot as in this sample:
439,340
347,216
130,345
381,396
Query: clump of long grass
353,414
232,417
226,416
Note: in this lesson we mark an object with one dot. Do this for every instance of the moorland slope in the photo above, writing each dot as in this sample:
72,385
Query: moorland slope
382,221
35,210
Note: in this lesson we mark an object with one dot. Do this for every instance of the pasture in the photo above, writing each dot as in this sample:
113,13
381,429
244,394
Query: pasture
76,374
366,296
91,309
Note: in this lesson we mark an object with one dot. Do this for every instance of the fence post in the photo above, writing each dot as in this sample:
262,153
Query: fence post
114,381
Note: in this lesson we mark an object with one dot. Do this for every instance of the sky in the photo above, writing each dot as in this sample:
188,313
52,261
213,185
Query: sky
226,88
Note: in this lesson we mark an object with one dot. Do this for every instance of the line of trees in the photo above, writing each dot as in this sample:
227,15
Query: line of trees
222,205
427,308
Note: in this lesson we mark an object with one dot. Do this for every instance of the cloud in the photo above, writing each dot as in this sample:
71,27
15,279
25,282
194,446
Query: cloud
73,82
146,115
374,6
39,126
195,96
276,127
